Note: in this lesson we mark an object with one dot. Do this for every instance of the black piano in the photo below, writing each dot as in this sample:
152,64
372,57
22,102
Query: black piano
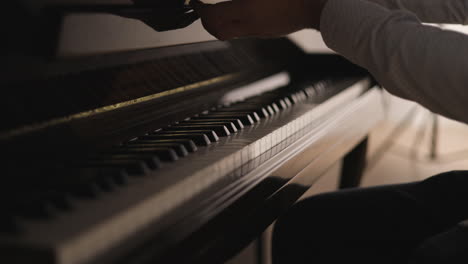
130,135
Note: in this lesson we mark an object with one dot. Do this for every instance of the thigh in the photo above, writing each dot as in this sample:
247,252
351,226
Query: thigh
381,224
450,246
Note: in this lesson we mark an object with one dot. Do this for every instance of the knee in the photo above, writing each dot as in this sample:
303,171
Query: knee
447,247
320,218
305,224
303,217
291,235
449,185
289,225
448,178
314,228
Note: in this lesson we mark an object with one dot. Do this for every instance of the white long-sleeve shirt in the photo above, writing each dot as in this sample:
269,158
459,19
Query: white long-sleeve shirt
411,60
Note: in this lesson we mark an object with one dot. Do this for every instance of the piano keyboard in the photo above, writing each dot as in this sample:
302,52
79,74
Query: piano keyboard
108,197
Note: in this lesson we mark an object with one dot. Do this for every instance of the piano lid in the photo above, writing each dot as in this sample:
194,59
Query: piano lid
87,34
40,35
73,28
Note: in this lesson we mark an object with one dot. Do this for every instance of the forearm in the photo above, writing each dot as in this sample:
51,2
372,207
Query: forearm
431,11
421,63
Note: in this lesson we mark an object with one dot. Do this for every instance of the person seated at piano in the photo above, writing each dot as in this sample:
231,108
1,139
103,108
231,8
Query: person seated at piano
420,222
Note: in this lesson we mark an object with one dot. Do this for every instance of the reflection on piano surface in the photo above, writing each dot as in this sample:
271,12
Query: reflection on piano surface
181,153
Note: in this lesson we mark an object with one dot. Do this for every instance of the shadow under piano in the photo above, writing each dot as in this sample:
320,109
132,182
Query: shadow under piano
130,135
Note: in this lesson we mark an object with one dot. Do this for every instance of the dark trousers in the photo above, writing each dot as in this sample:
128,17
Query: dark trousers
417,223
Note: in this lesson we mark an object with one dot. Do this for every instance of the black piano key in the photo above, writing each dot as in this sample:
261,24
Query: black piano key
271,96
255,117
310,92
151,161
220,130
268,97
106,184
293,98
189,145
257,100
270,110
91,190
300,96
259,111
209,133
120,178
263,113
282,104
165,154
246,119
132,167
321,87
179,148
268,103
288,101
199,139
62,202
36,209
93,177
229,125
237,122
275,107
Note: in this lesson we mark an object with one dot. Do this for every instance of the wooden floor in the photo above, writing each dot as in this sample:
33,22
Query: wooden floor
409,156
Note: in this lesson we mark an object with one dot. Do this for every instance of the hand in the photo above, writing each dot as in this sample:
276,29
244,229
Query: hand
259,18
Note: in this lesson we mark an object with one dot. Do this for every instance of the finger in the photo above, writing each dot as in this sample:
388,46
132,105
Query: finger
225,20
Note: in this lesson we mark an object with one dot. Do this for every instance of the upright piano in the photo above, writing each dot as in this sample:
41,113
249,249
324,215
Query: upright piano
130,135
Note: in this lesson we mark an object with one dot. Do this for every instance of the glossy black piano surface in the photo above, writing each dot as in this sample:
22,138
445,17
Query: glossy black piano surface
178,152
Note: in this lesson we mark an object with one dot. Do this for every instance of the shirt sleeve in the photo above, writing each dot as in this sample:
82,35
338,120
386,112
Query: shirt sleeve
411,60
431,11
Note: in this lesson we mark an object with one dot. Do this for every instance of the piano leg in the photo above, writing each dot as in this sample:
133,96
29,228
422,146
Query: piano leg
354,164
